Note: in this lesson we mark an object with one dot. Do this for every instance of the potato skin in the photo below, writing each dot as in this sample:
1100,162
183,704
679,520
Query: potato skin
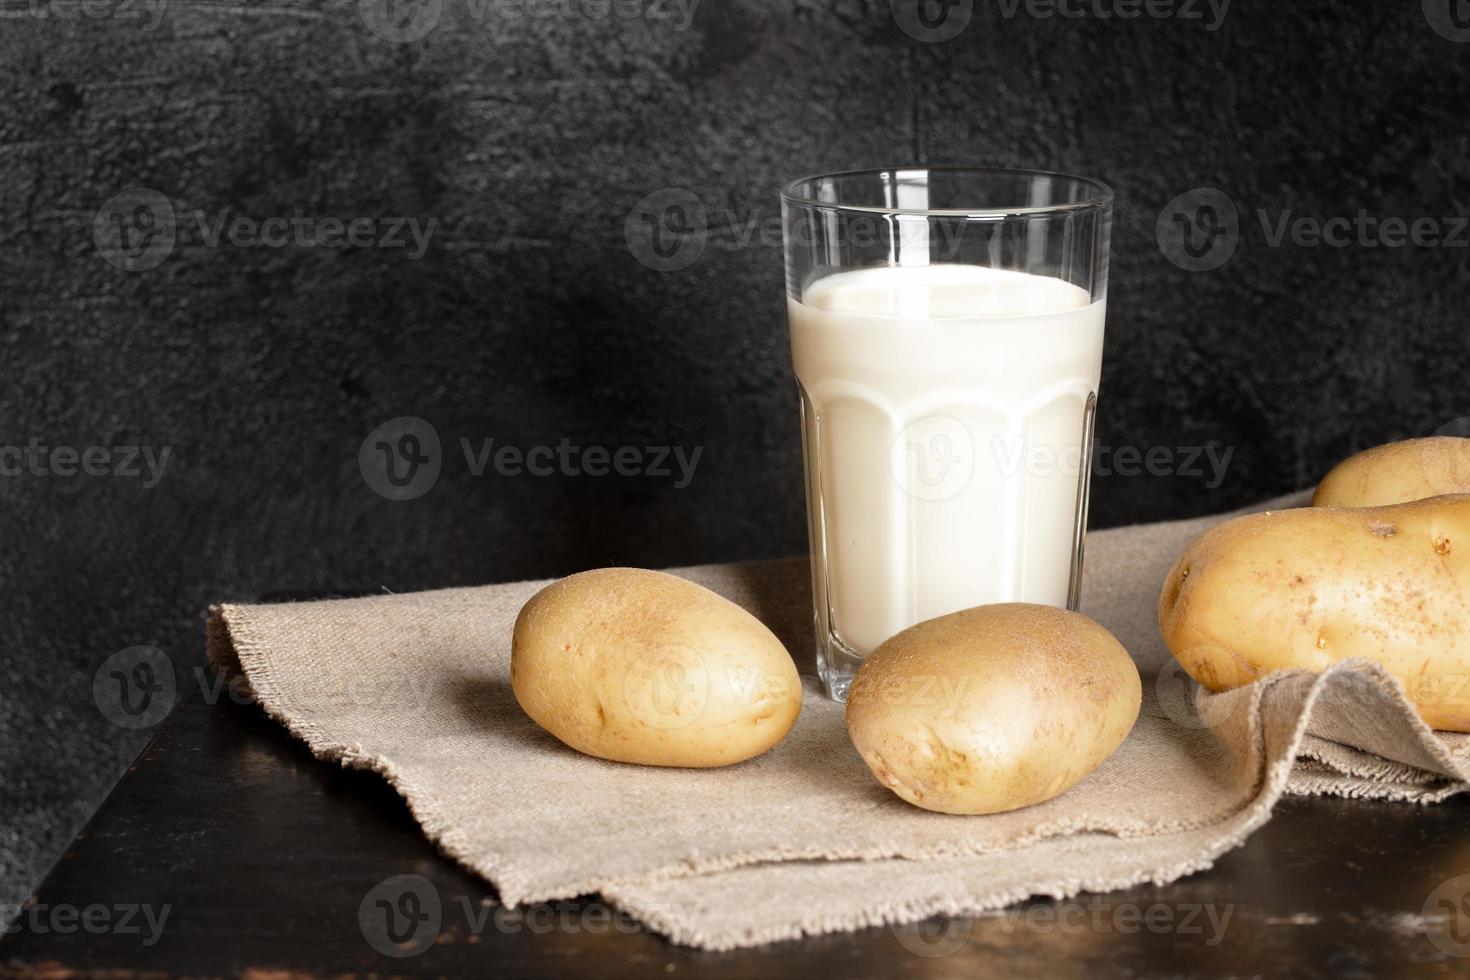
1397,473
645,667
1305,588
992,708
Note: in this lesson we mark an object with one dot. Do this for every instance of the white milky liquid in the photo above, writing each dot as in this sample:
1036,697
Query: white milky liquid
945,412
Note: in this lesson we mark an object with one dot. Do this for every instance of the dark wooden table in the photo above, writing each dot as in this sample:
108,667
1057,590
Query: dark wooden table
267,860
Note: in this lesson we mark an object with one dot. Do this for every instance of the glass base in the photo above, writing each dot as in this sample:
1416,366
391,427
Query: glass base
838,664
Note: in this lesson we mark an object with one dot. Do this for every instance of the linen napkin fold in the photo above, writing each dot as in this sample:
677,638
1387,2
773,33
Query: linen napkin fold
803,840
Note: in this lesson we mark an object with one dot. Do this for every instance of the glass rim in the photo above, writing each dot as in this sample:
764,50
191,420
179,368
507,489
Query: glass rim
1100,194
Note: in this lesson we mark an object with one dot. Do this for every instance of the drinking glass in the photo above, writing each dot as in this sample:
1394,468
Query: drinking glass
946,334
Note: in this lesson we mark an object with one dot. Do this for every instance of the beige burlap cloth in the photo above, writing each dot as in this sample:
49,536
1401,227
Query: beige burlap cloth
802,839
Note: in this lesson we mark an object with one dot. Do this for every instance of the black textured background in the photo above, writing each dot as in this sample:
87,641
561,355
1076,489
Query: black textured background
530,139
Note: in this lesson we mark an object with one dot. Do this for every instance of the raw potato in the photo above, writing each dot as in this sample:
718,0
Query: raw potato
1305,588
639,666
1397,473
992,708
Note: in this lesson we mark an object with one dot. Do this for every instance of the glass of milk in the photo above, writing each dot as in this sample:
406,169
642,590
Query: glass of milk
947,334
